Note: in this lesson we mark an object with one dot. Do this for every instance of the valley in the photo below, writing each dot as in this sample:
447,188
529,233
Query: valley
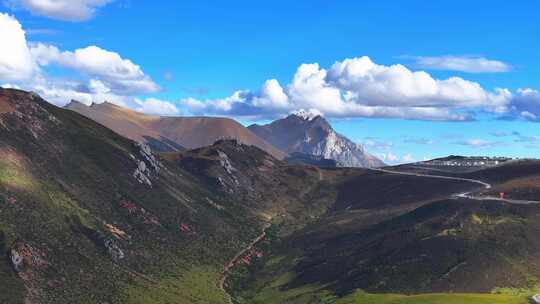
90,216
269,152
280,281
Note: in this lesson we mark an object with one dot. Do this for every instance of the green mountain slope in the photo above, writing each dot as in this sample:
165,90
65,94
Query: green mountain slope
88,216
390,234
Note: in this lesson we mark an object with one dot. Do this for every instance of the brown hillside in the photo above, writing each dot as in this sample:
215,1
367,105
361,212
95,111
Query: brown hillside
171,133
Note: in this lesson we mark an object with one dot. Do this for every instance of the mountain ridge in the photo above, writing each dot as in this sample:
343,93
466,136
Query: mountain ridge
168,133
310,133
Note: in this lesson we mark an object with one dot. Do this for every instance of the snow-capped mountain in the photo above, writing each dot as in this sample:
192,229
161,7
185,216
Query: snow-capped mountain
308,132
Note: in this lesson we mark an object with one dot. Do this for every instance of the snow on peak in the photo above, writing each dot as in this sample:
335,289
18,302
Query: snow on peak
307,114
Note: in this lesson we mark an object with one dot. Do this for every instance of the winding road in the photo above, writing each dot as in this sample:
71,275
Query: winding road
467,195
464,194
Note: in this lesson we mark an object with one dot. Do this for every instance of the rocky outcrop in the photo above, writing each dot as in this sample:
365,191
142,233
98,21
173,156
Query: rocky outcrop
114,250
25,257
147,165
30,264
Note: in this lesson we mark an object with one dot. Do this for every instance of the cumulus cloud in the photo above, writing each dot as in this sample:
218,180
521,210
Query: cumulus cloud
119,74
156,106
16,61
525,104
468,64
44,54
110,77
104,75
68,10
393,159
61,92
396,85
358,87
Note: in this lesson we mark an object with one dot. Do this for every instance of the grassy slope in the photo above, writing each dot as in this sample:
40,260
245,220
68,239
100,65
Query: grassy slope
277,292
68,183
69,177
497,241
364,298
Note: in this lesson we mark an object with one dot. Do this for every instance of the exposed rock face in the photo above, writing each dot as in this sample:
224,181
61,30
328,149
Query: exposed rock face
312,134
114,250
147,167
225,162
17,260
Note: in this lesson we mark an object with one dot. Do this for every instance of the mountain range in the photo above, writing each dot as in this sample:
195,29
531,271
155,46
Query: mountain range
170,133
90,216
297,133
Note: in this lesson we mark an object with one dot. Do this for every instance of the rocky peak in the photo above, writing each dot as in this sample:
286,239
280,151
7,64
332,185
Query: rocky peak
306,115
309,133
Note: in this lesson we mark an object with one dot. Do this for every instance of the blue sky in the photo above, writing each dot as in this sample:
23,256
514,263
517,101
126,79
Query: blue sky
190,57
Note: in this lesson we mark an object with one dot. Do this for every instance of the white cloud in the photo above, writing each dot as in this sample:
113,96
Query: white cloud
272,96
10,86
419,141
61,92
525,104
377,85
393,159
469,64
478,143
69,10
375,144
44,54
40,31
121,75
408,158
15,59
105,75
156,106
358,87
388,158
